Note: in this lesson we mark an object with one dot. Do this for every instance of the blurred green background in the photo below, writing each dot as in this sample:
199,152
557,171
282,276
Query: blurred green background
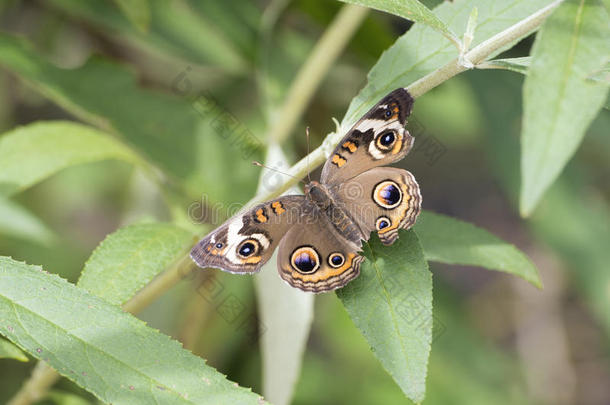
498,339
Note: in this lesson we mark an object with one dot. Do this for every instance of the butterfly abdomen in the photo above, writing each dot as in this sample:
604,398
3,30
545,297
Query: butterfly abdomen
343,223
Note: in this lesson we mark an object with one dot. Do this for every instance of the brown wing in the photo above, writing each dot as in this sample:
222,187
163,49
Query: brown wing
384,199
246,241
315,258
378,139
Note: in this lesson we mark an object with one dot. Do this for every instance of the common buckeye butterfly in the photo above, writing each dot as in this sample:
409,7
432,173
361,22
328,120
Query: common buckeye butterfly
320,233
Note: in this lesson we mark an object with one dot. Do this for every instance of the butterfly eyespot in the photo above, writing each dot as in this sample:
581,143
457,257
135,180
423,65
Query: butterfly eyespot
388,113
387,194
219,245
336,260
305,259
382,223
247,248
386,140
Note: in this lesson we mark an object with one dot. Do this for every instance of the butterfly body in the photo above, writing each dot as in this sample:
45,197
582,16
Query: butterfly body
340,219
319,234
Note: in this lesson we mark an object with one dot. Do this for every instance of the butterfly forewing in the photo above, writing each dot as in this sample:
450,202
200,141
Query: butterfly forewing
379,138
246,241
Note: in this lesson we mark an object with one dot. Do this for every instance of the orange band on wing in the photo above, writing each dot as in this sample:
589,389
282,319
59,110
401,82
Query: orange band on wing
397,146
338,160
277,207
260,216
395,110
396,223
391,227
330,273
350,146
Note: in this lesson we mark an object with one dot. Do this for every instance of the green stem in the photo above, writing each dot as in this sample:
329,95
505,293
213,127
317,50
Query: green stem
36,387
482,51
269,18
160,285
198,314
322,57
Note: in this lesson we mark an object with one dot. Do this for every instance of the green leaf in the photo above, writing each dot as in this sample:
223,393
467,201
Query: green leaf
137,11
34,152
66,398
411,10
448,240
10,351
132,256
103,349
421,50
559,102
238,21
519,65
177,33
189,136
601,75
17,221
391,304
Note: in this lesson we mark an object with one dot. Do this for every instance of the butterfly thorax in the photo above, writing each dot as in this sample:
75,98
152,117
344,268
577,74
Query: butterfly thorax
343,223
318,194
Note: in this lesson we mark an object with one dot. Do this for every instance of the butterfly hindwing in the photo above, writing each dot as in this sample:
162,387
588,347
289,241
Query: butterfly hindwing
316,258
383,199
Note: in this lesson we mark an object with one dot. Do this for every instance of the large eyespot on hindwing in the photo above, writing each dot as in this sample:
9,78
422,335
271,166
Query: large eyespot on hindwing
387,194
305,260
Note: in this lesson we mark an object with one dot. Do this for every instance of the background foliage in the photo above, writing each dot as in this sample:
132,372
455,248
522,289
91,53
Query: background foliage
128,130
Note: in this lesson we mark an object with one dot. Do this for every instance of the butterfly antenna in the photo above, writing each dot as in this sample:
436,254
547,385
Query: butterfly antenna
259,164
307,133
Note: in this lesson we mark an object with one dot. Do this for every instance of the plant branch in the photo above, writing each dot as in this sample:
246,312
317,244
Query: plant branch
324,54
477,55
35,388
483,51
160,285
198,313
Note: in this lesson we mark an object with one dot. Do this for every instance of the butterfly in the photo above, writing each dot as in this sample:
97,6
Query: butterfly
319,234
